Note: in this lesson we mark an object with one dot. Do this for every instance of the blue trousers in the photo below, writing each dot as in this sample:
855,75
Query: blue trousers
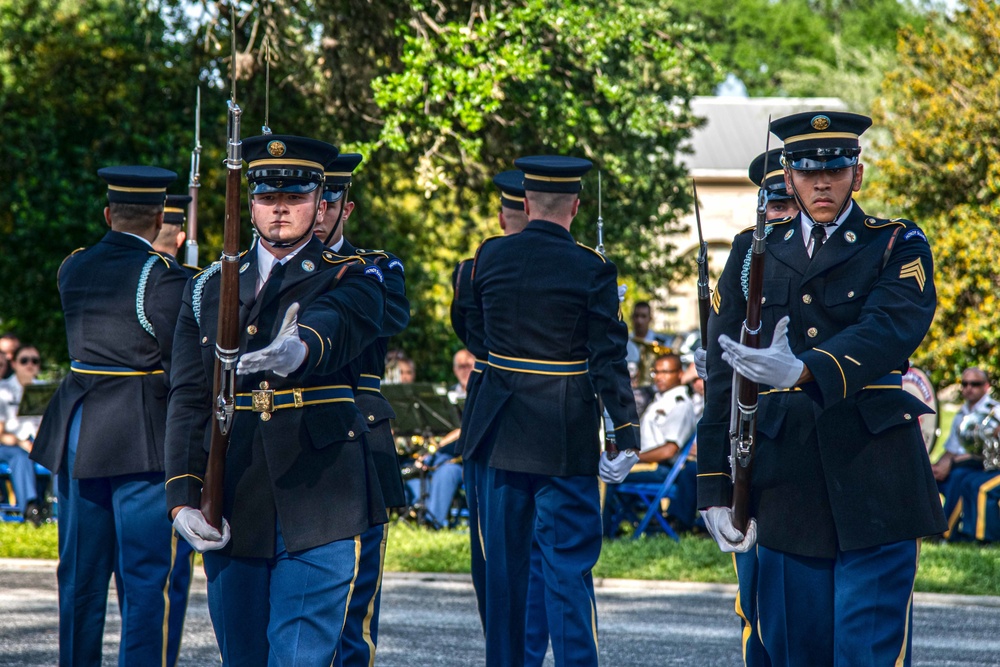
853,610
22,474
442,485
536,626
746,566
118,524
284,611
564,515
360,635
980,499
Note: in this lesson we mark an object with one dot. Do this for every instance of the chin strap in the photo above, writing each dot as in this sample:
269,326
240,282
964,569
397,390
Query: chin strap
340,218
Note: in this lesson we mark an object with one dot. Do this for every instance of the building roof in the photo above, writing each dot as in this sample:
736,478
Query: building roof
734,132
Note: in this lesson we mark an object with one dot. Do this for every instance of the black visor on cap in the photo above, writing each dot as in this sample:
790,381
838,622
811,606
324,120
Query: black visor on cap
819,159
283,179
334,196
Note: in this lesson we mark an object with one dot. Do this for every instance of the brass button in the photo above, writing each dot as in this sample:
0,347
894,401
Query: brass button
265,385
907,416
763,300
350,434
850,295
204,339
371,418
807,298
812,332
265,416
252,329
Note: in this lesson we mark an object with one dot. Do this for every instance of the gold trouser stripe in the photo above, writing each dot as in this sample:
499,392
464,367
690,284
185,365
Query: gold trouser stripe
956,514
981,506
747,629
371,603
166,596
593,622
350,590
901,659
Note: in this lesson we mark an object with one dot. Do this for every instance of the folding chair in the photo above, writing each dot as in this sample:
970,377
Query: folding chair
652,494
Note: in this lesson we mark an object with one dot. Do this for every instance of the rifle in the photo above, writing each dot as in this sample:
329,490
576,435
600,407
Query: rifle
227,339
191,247
610,445
704,298
743,416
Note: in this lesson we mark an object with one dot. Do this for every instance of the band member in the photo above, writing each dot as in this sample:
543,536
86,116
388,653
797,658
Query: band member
103,433
555,338
299,476
360,637
842,489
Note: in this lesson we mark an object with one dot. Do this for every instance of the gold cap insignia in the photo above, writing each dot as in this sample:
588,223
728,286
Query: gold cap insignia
820,123
277,148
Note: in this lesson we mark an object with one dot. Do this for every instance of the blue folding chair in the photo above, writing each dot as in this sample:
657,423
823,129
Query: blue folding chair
9,512
652,494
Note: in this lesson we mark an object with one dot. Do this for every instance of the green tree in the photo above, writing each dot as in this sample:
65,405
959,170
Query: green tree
83,84
941,167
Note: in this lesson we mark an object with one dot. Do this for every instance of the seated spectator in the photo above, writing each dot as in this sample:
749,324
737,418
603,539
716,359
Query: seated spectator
399,368
18,433
9,342
665,427
957,462
443,468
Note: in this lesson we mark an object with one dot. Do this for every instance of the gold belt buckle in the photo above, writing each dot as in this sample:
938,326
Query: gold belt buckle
263,400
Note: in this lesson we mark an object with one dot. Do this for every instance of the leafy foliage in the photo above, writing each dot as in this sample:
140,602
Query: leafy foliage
941,167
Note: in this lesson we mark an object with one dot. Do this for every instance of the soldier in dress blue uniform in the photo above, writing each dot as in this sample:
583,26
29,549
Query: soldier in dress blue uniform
103,433
842,489
172,235
555,339
299,488
360,637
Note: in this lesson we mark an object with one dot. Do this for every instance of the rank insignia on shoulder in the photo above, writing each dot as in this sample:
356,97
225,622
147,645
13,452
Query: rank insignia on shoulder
915,270
375,271
396,263
716,300
914,233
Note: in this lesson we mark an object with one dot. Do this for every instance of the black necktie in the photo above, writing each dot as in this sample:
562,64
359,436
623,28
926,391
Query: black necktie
818,235
273,282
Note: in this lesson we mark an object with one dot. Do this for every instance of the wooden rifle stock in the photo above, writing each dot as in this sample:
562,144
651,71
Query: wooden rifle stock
743,421
227,340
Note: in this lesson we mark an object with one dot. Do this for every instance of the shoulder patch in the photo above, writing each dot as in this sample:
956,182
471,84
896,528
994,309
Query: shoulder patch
914,233
603,258
373,270
396,264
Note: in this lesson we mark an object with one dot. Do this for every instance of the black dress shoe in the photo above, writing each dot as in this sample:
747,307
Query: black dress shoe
33,514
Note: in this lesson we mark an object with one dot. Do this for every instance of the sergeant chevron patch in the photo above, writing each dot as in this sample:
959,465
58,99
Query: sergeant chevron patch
716,300
915,270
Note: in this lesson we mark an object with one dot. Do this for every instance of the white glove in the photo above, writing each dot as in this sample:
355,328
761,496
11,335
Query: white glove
775,365
719,521
285,353
621,292
700,362
190,524
614,470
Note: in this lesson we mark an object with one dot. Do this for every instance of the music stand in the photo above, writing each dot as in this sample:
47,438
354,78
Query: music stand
36,398
424,409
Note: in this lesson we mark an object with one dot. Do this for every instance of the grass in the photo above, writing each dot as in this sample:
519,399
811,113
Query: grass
968,569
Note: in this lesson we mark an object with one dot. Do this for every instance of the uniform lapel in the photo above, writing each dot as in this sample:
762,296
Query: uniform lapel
838,248
305,263
785,245
248,283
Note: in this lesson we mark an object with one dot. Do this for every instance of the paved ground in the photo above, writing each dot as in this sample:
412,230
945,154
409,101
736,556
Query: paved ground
430,620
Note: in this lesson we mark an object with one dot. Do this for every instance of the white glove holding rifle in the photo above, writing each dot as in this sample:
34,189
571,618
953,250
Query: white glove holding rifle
613,468
775,366
719,521
191,524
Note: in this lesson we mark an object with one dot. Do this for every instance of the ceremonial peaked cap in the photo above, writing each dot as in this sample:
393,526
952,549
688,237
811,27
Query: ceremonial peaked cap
553,173
286,163
338,175
816,140
136,184
175,211
774,180
511,185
